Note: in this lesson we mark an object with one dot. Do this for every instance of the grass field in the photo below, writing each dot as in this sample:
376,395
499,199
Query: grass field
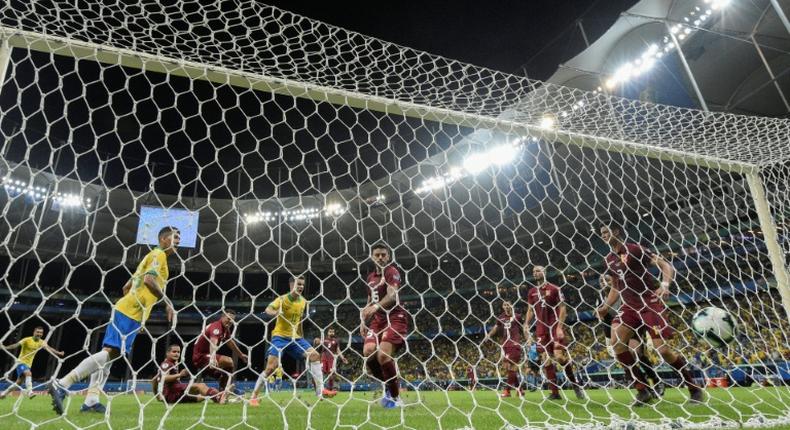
424,410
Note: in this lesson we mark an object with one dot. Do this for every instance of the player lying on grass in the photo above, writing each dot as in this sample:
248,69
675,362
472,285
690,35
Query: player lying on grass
173,390
205,357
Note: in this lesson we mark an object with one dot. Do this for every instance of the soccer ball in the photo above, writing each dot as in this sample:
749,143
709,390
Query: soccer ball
715,325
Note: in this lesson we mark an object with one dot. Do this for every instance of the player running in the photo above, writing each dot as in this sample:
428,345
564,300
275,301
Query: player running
329,352
642,310
636,344
511,326
205,357
287,337
547,305
28,347
140,294
173,390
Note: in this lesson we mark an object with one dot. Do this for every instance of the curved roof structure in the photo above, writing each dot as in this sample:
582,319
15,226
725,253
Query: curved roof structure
739,57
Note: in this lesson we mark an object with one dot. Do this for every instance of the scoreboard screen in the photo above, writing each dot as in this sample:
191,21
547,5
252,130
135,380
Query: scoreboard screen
153,219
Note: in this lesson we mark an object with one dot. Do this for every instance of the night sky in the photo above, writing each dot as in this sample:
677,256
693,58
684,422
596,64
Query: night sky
510,36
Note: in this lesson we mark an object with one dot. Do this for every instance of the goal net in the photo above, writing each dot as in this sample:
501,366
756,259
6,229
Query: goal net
281,146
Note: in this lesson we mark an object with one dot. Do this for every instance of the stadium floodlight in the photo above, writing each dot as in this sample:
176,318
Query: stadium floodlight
334,209
547,122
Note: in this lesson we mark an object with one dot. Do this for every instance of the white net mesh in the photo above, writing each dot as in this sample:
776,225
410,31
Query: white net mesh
299,145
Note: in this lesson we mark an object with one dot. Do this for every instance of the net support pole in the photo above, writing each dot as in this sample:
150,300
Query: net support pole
5,59
771,238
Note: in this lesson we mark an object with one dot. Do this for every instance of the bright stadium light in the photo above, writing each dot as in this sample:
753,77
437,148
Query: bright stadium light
547,122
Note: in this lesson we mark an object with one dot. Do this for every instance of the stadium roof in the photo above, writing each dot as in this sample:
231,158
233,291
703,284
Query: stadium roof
729,55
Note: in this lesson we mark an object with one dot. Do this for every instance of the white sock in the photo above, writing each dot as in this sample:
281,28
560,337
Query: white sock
318,376
261,380
98,379
28,385
86,367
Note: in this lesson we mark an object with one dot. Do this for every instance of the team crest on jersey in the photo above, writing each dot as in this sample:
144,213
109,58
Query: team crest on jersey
396,276
216,331
624,258
165,366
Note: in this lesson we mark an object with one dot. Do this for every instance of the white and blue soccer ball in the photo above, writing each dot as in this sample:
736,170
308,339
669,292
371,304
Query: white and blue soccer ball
714,325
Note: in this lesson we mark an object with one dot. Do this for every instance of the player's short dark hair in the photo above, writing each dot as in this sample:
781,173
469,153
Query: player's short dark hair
38,327
229,311
294,278
173,345
380,245
167,230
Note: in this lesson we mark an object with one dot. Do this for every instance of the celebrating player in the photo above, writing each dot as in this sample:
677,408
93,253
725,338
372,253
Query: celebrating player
287,338
175,391
642,310
141,292
510,324
547,305
204,354
330,351
28,347
385,324
636,344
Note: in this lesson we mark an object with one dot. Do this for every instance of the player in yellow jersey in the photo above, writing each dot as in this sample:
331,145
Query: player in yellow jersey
141,293
278,378
28,347
287,337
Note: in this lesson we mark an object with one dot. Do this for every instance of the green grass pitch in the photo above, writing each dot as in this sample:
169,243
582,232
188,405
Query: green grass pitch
424,410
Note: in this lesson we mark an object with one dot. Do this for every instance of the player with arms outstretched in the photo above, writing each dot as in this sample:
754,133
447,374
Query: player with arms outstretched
28,347
510,325
288,338
140,294
330,351
547,305
173,390
642,310
205,357
384,325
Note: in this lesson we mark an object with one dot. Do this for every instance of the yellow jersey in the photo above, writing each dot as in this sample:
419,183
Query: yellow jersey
28,347
278,372
137,303
289,320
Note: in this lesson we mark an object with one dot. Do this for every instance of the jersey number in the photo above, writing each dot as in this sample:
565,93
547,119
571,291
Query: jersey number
374,296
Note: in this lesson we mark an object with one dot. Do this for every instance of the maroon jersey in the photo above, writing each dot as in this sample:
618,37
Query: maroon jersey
169,367
214,330
330,348
512,327
629,270
545,301
377,289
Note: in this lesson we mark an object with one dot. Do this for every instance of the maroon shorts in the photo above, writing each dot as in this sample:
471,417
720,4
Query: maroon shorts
393,330
647,321
201,364
549,342
327,365
512,353
175,394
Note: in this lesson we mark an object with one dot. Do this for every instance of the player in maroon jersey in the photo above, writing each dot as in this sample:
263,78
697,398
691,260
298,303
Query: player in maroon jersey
329,350
204,354
547,305
642,311
472,377
510,325
385,324
175,391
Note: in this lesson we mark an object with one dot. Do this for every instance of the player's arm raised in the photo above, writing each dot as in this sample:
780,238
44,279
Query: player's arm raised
52,350
667,275
12,346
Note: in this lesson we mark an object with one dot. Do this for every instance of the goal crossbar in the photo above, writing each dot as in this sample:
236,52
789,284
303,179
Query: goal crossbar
222,75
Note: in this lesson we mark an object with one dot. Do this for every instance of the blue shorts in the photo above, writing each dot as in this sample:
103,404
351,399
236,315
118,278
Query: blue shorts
21,369
121,332
296,348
